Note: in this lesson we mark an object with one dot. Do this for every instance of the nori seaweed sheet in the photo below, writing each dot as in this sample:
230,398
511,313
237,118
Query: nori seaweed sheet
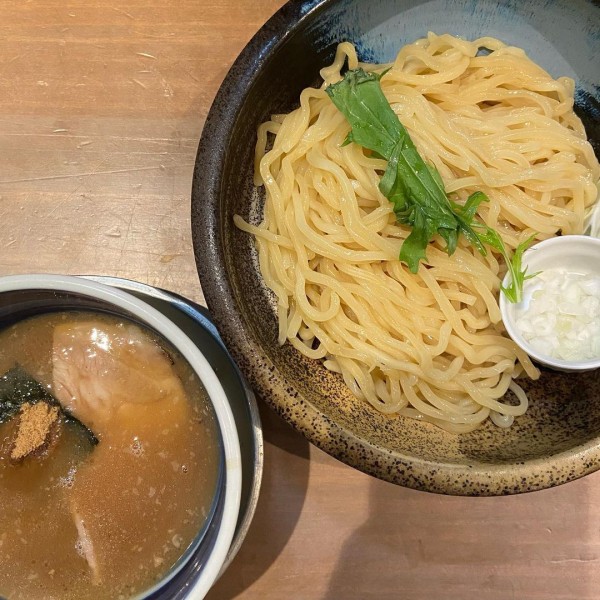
17,387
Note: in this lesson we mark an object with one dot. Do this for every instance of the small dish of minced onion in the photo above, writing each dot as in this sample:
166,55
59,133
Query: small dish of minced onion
558,320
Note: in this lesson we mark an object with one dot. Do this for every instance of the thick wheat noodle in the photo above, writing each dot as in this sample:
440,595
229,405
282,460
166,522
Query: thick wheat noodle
430,345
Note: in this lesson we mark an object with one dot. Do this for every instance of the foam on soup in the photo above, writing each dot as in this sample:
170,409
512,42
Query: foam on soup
109,458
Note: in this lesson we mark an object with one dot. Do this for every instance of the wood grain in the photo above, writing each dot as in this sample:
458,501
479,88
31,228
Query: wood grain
101,110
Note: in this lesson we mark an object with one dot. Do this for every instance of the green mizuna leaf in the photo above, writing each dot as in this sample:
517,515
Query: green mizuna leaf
414,187
518,275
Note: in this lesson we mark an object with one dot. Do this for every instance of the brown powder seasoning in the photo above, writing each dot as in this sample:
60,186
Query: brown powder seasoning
37,424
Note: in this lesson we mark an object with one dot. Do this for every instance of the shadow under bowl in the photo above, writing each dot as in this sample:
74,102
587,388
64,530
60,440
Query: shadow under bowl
557,440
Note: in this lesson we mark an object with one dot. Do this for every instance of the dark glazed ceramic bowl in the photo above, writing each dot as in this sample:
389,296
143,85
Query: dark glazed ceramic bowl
559,438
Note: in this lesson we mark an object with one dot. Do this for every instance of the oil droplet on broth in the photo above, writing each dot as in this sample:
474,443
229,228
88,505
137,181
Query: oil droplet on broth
137,448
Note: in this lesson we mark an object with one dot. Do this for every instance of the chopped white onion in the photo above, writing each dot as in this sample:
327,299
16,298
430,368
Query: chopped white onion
563,316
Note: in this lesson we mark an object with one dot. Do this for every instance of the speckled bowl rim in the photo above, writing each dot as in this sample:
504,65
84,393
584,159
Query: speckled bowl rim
475,479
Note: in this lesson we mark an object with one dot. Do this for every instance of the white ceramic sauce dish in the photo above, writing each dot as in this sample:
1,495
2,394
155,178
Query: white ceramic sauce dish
578,255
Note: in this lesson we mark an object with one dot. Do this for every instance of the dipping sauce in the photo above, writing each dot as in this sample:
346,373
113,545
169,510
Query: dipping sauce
105,485
562,317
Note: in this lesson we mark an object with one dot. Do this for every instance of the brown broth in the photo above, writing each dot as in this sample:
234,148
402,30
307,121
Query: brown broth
143,492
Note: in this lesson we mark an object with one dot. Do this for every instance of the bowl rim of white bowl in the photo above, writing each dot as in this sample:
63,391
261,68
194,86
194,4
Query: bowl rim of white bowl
172,333
507,308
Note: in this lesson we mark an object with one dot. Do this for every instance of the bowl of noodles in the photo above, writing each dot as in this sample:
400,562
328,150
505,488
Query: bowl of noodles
367,175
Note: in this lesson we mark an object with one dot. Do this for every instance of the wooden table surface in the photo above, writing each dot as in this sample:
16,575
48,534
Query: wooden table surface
101,107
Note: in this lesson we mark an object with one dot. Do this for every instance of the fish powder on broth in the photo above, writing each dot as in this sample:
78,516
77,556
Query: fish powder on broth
111,521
